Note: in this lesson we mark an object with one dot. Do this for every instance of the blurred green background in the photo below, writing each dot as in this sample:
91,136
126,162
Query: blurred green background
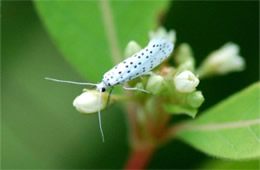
41,129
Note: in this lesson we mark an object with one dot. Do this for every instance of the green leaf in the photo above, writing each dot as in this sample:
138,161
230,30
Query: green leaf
176,109
220,164
92,35
228,130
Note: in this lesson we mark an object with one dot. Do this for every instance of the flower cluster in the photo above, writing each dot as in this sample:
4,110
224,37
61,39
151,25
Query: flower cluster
173,87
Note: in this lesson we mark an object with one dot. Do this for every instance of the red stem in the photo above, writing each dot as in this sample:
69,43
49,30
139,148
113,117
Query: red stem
139,158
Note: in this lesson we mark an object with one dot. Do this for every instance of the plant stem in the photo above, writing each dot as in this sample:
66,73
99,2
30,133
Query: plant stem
141,151
139,158
144,142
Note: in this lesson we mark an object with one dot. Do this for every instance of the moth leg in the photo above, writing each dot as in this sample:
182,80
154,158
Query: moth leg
109,94
150,73
135,88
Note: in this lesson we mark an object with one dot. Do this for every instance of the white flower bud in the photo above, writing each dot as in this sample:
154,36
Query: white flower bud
132,48
222,61
87,102
162,33
186,82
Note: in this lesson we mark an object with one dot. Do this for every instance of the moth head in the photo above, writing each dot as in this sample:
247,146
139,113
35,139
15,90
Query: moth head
101,87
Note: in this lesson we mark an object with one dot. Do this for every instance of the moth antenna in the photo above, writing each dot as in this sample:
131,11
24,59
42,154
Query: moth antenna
99,115
70,82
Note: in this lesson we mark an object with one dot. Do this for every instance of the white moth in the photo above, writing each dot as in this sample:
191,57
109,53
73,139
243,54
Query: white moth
141,63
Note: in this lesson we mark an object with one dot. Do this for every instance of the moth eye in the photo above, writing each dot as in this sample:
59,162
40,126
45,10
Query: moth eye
103,89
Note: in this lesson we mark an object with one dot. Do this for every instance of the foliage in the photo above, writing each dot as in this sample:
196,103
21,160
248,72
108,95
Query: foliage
229,129
42,130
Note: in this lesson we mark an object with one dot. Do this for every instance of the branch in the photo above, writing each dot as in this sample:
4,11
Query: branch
139,158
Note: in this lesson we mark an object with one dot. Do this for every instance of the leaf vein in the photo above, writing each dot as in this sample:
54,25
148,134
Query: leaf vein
253,134
229,143
218,126
110,31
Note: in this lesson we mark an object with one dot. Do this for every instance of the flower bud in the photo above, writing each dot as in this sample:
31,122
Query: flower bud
222,61
132,48
162,33
188,65
184,54
155,84
186,82
195,99
88,101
